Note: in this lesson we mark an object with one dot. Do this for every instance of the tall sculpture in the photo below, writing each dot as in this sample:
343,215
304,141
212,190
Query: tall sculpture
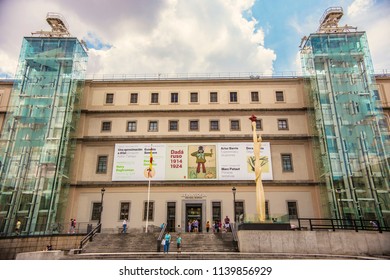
260,199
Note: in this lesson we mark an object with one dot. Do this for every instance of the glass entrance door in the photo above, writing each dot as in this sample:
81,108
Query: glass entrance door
194,212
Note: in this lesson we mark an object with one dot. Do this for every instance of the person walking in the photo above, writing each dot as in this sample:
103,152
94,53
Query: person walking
207,226
167,238
124,226
178,243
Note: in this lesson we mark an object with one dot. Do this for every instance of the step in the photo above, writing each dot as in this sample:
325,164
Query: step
211,256
147,242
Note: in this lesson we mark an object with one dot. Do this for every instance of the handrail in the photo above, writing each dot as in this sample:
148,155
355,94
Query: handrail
160,237
89,236
235,236
341,224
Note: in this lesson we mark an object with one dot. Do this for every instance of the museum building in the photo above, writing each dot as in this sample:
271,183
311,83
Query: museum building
74,147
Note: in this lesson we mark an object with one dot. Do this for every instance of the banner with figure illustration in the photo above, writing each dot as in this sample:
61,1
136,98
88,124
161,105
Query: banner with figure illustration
190,161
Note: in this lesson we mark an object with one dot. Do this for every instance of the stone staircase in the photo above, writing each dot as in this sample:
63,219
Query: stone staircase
195,246
137,245
146,242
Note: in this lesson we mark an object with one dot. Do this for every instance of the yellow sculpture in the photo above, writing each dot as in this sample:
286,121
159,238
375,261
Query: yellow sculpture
260,199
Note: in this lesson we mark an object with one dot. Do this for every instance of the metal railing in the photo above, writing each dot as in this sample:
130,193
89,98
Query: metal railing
89,236
193,76
340,224
160,237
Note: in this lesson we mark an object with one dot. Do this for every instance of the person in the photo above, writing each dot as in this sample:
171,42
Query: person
216,227
189,226
124,225
49,247
374,224
167,238
227,223
163,244
178,243
195,225
72,226
207,226
17,227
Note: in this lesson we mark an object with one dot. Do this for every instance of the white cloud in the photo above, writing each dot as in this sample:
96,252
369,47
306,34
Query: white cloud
358,7
153,36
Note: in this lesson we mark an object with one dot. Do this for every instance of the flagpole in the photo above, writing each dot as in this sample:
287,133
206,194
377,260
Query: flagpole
149,176
147,206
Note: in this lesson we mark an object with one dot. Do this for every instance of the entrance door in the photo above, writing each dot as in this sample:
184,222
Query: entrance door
171,216
194,212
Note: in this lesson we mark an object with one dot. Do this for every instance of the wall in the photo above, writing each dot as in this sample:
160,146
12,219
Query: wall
315,242
9,247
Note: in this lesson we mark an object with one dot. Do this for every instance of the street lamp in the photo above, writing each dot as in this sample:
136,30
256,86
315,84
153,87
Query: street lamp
234,202
101,207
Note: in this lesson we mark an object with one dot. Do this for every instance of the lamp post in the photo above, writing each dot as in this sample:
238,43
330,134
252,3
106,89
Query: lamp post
234,203
101,207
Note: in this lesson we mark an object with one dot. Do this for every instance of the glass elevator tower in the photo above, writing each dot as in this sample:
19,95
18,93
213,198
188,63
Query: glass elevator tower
353,133
36,145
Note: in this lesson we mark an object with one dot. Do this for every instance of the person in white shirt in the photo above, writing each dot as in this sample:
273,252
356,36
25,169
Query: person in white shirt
124,224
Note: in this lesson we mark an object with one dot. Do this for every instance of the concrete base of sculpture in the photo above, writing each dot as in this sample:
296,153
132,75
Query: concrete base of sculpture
264,226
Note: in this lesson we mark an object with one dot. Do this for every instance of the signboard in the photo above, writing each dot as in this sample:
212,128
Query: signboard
190,161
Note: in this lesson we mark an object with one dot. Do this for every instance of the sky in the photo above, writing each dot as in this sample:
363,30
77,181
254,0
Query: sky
191,36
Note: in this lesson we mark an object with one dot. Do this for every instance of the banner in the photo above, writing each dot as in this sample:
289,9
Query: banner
190,161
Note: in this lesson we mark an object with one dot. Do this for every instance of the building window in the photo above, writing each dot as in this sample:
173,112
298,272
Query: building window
255,96
292,209
106,126
287,163
131,126
282,124
102,164
151,208
109,98
233,97
153,126
194,97
213,97
259,124
239,211
174,97
194,125
173,125
279,96
214,125
96,210
234,125
154,98
216,208
134,98
124,212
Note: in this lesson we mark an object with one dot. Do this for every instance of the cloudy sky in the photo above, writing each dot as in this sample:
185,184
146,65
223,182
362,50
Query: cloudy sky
191,36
